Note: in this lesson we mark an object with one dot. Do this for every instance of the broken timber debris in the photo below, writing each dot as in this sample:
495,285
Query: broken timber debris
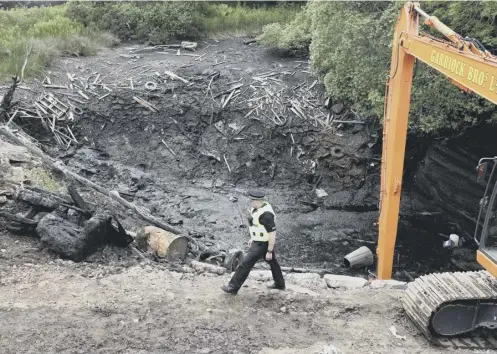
145,104
6,101
18,218
162,244
189,45
35,198
175,77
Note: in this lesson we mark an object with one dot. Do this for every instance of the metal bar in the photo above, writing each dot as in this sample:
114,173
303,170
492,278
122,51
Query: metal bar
484,234
484,196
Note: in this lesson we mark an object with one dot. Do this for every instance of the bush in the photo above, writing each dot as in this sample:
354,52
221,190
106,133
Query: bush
350,47
159,22
293,36
45,33
155,22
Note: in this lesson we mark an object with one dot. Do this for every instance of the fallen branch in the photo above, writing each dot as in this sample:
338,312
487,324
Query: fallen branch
349,121
6,102
78,200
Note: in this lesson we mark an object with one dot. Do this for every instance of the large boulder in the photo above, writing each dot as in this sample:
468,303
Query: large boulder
343,281
310,281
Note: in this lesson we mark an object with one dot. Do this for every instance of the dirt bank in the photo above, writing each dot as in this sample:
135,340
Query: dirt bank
81,308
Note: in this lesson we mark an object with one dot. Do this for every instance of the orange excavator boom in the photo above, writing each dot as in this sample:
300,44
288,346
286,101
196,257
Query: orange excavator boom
465,62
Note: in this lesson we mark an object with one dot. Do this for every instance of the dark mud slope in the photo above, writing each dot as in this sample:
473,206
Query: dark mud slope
260,120
192,159
440,197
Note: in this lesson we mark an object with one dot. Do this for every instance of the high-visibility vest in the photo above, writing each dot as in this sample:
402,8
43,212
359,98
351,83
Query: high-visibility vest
257,231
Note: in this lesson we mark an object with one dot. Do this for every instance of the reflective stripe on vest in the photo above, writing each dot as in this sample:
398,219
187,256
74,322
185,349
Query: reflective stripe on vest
257,231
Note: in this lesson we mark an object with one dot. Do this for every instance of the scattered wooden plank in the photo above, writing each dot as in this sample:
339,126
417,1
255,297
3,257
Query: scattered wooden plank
145,104
171,150
219,63
200,57
56,86
175,77
229,90
349,121
227,164
83,95
13,116
103,96
228,99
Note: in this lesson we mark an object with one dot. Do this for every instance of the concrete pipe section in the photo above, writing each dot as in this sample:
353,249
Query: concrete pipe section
359,258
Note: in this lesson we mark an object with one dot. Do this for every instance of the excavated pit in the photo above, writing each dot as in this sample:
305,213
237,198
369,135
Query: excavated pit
191,158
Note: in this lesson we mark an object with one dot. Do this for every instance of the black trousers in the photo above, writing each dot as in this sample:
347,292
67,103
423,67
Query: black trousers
257,251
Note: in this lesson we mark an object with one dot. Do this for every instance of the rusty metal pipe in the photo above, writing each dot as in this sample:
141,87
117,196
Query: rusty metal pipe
435,23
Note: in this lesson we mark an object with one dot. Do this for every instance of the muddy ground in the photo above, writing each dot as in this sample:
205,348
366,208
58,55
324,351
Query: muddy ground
216,151
121,147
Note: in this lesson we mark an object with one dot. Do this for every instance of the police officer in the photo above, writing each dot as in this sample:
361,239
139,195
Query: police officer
262,241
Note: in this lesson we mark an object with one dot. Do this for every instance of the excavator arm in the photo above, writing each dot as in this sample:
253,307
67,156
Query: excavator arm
444,306
466,63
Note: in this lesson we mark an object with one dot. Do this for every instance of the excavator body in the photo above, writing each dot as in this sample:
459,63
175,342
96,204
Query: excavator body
458,309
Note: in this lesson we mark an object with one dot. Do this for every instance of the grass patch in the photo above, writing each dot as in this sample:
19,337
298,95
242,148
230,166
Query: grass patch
43,178
42,34
242,20
81,28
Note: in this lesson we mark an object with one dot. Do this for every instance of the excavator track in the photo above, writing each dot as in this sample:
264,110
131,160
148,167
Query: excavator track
452,303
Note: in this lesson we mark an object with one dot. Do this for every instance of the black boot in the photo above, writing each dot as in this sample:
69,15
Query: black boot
277,287
229,289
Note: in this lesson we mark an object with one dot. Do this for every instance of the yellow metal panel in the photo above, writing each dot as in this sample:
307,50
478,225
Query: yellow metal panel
477,73
486,263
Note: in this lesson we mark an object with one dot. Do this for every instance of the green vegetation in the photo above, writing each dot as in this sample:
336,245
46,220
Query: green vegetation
81,27
43,178
43,34
241,20
154,22
294,36
350,46
158,22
